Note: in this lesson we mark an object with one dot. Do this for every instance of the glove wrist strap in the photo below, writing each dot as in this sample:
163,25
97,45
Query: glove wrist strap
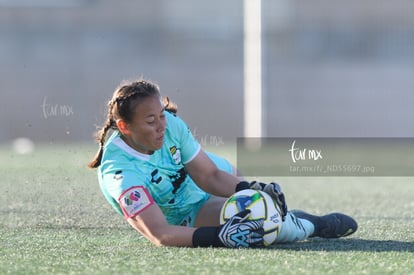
207,236
242,186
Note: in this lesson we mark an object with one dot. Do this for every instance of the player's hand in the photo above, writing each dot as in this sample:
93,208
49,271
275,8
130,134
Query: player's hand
273,190
237,232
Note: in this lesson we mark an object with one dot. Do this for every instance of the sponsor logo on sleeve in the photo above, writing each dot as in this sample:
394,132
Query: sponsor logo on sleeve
135,200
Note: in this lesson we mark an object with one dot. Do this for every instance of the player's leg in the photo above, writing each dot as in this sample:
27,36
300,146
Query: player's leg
294,229
334,225
300,225
209,213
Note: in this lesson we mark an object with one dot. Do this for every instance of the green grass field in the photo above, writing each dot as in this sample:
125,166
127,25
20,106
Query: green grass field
54,220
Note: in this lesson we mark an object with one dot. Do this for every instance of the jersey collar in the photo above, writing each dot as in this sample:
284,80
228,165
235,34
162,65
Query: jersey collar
118,141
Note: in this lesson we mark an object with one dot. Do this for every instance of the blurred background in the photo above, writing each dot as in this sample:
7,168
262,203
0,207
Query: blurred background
331,68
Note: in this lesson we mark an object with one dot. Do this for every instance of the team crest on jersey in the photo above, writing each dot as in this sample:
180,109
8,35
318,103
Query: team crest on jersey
176,154
134,200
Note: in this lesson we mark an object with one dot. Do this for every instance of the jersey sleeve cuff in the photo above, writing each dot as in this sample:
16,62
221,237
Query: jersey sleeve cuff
194,155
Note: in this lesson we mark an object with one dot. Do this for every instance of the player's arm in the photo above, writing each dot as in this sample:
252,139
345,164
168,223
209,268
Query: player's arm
145,216
199,166
217,182
211,179
152,224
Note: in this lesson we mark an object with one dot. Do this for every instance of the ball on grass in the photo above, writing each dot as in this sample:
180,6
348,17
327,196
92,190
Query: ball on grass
261,206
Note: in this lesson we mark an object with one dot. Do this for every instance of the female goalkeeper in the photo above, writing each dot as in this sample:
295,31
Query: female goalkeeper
153,171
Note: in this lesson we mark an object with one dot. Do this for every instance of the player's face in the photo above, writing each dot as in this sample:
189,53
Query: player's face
146,131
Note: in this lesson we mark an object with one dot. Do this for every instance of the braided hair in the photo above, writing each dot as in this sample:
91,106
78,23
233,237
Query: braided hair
122,105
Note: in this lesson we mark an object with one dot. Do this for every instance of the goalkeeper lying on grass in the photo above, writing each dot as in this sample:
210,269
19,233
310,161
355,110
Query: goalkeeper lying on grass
153,171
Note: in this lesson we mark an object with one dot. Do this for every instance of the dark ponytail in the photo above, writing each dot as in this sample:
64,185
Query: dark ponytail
101,135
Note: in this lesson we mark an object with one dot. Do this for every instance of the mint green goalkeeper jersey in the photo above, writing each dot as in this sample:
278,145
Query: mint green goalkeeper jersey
132,181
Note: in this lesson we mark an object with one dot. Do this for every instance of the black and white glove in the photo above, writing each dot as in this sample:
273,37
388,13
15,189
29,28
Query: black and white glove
272,189
237,232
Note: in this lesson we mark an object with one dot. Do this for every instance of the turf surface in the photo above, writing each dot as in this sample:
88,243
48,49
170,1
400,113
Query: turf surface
53,219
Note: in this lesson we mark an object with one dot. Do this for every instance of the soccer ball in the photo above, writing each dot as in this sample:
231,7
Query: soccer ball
261,206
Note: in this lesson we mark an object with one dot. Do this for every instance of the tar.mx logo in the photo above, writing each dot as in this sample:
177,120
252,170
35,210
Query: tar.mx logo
55,110
297,153
208,140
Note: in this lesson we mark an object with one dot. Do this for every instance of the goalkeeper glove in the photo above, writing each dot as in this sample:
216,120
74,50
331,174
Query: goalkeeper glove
236,232
272,189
